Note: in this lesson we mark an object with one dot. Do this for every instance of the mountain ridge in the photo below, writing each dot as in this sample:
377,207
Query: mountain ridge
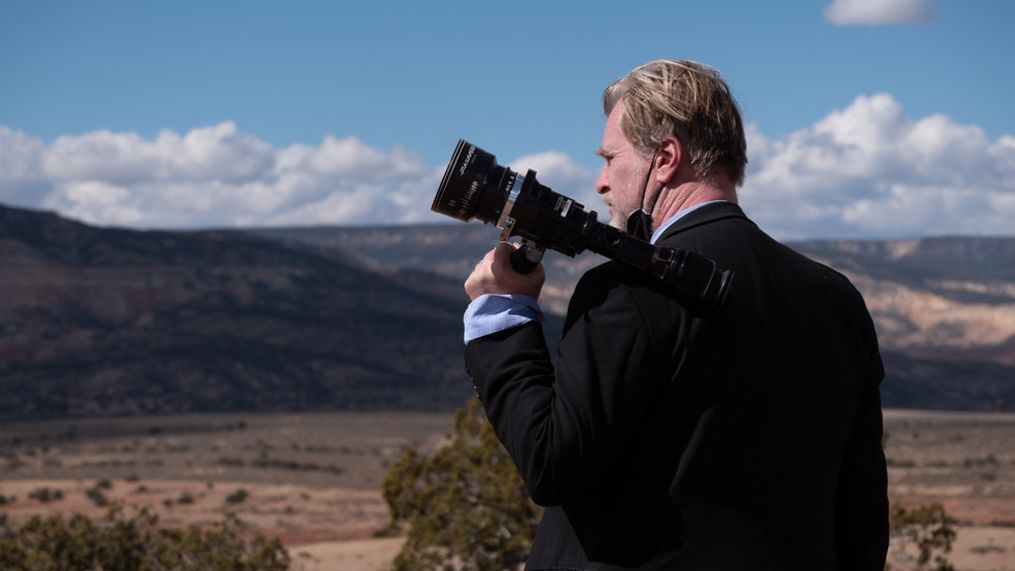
120,322
97,321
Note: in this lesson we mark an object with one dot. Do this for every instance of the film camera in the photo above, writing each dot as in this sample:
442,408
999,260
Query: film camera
474,186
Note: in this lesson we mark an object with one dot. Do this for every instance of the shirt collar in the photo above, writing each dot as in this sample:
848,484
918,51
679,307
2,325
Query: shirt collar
673,219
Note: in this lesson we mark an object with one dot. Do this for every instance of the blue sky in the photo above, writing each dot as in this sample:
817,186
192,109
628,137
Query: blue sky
334,112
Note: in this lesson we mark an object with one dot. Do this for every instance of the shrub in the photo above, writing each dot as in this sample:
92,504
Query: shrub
46,495
237,497
265,462
927,527
120,543
97,497
465,504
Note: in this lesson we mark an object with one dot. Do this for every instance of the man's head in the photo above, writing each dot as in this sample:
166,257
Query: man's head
688,101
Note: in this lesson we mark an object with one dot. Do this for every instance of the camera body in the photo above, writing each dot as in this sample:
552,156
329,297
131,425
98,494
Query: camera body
475,186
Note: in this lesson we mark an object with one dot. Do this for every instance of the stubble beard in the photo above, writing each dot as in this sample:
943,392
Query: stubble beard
618,221
618,218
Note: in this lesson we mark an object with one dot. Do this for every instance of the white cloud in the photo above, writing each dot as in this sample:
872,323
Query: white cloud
559,172
877,12
871,170
213,176
98,202
220,152
21,176
865,170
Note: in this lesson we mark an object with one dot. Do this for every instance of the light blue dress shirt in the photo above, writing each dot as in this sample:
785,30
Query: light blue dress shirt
490,313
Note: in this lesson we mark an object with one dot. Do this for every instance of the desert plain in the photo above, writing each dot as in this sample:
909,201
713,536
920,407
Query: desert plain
314,480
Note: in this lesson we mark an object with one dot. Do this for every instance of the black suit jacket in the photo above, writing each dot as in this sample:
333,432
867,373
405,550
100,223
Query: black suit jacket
664,437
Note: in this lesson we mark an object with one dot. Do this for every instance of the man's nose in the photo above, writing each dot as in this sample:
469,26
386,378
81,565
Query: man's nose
602,184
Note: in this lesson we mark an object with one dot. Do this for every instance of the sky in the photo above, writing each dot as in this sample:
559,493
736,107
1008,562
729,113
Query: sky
865,118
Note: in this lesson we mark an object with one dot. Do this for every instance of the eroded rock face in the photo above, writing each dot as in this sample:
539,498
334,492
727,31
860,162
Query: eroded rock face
909,318
936,296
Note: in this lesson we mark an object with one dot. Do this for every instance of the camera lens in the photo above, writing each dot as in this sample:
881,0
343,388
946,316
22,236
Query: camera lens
473,185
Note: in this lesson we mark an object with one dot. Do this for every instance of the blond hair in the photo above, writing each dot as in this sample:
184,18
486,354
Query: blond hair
686,100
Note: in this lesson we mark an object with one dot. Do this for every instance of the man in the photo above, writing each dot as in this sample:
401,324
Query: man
665,437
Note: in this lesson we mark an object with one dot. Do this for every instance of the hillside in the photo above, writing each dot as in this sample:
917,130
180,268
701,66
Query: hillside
112,321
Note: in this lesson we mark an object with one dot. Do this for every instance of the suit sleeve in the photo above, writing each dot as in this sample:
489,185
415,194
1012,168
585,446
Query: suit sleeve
862,498
563,424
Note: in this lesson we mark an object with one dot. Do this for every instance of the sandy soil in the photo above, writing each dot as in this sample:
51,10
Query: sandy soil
352,555
314,480
966,462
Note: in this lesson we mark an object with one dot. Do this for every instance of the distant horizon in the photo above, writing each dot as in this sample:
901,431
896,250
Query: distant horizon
452,224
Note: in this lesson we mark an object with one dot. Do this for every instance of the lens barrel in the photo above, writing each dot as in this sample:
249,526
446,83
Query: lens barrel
474,186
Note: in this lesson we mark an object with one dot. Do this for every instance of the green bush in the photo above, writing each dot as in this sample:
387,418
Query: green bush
927,527
265,462
97,497
465,504
237,497
46,495
120,543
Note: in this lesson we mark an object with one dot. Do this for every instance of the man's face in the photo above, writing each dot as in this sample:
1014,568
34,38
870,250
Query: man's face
623,176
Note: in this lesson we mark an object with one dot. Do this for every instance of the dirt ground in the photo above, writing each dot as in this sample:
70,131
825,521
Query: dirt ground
314,479
966,462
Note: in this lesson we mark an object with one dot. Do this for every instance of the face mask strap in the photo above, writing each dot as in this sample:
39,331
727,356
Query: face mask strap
644,185
639,222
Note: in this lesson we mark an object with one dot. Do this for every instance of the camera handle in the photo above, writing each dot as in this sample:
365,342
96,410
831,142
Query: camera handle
524,259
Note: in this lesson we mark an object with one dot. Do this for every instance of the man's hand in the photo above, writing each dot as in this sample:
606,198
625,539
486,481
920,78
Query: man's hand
494,274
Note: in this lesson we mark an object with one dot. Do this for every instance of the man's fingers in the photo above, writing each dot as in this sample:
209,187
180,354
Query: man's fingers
500,253
495,274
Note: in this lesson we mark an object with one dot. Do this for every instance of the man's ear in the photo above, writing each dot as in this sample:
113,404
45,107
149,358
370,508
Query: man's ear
669,160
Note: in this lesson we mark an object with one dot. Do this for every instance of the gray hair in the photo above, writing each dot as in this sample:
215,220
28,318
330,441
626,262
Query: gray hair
686,100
